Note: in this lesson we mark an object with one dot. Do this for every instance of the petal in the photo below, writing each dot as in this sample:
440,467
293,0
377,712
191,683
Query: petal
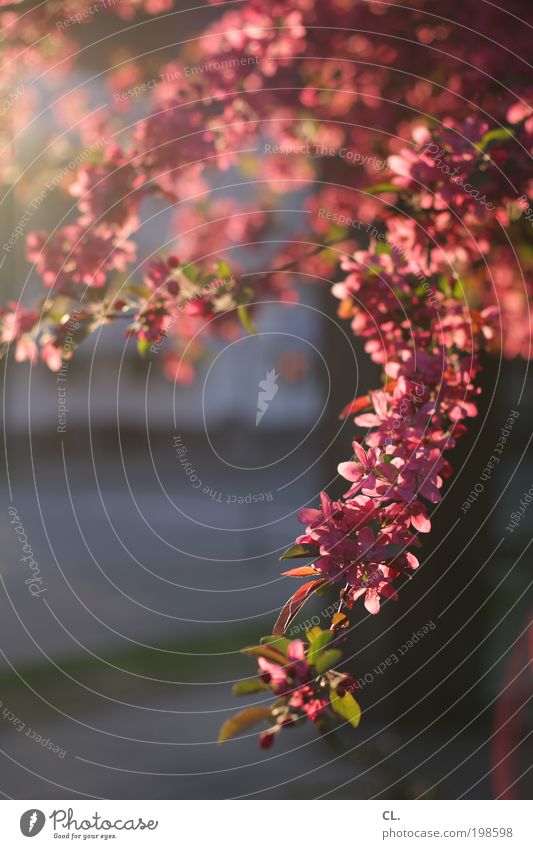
420,521
388,591
308,515
399,166
430,491
359,451
304,538
350,471
412,561
367,420
296,650
372,601
381,403
353,489
365,538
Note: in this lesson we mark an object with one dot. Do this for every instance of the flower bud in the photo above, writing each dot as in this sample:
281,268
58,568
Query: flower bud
266,739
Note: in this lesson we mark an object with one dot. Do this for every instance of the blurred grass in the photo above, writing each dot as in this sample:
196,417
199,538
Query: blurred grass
125,674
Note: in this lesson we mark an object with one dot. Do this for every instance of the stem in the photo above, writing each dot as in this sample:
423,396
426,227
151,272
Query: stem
295,262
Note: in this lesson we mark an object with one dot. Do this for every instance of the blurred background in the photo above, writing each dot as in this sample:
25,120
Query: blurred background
151,583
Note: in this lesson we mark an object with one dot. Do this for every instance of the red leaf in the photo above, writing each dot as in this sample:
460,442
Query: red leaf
301,571
294,604
365,401
355,406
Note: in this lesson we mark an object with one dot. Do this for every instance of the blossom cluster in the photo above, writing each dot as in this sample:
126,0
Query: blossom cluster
458,179
301,677
430,361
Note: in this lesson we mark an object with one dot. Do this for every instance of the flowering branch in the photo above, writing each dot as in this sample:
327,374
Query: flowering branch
428,277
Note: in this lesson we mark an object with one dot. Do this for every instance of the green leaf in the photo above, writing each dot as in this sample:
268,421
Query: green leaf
191,272
500,134
347,707
303,549
242,721
336,233
444,285
223,269
279,643
381,187
383,248
143,346
318,642
340,620
326,660
250,685
245,320
314,633
137,289
324,589
458,291
268,652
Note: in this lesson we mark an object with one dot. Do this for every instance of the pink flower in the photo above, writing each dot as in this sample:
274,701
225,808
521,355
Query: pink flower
314,518
273,674
402,515
110,192
372,581
362,472
74,257
306,699
284,677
